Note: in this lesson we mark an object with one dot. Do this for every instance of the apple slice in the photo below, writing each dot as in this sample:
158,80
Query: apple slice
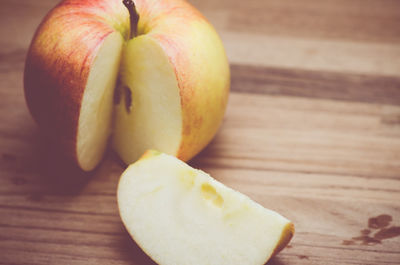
94,127
180,215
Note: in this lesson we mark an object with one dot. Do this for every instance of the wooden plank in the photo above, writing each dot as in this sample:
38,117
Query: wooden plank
320,238
355,36
310,54
312,130
373,21
303,135
341,36
317,84
328,209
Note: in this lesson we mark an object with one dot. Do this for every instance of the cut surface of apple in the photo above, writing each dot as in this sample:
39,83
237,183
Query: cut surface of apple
149,109
180,215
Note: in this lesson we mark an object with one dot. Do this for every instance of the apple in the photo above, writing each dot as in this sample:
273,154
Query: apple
150,74
180,215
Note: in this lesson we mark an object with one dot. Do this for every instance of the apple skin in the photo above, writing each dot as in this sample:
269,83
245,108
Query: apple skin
68,39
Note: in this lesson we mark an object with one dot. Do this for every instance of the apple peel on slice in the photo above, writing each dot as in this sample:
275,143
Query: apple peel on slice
180,215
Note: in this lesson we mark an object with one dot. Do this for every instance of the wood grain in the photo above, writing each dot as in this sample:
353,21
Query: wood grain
312,130
316,84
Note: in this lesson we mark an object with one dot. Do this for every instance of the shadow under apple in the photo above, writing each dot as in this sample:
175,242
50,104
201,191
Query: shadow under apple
204,159
275,261
44,165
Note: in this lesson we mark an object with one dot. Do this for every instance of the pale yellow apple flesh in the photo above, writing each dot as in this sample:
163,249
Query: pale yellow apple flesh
95,117
180,215
148,114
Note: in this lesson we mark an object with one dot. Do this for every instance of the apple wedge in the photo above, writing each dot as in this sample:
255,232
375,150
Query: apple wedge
172,70
94,124
180,215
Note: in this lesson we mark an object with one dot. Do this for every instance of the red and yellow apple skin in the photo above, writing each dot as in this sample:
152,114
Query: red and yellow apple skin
67,42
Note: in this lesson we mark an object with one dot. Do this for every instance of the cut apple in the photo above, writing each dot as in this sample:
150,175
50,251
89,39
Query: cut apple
149,109
180,215
174,78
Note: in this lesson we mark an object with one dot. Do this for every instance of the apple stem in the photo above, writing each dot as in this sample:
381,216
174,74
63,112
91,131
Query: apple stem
133,15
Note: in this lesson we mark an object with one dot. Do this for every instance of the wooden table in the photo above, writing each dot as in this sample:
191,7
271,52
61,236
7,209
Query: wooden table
312,131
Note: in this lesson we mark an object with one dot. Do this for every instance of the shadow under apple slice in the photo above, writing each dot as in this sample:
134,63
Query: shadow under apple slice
132,252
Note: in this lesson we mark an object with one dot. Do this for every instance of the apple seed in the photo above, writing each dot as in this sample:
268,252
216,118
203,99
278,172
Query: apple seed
128,99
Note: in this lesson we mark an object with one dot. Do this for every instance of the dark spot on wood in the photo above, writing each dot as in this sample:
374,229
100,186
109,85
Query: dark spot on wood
289,246
391,120
335,213
379,221
303,257
366,240
386,233
36,197
365,232
18,181
348,242
9,157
